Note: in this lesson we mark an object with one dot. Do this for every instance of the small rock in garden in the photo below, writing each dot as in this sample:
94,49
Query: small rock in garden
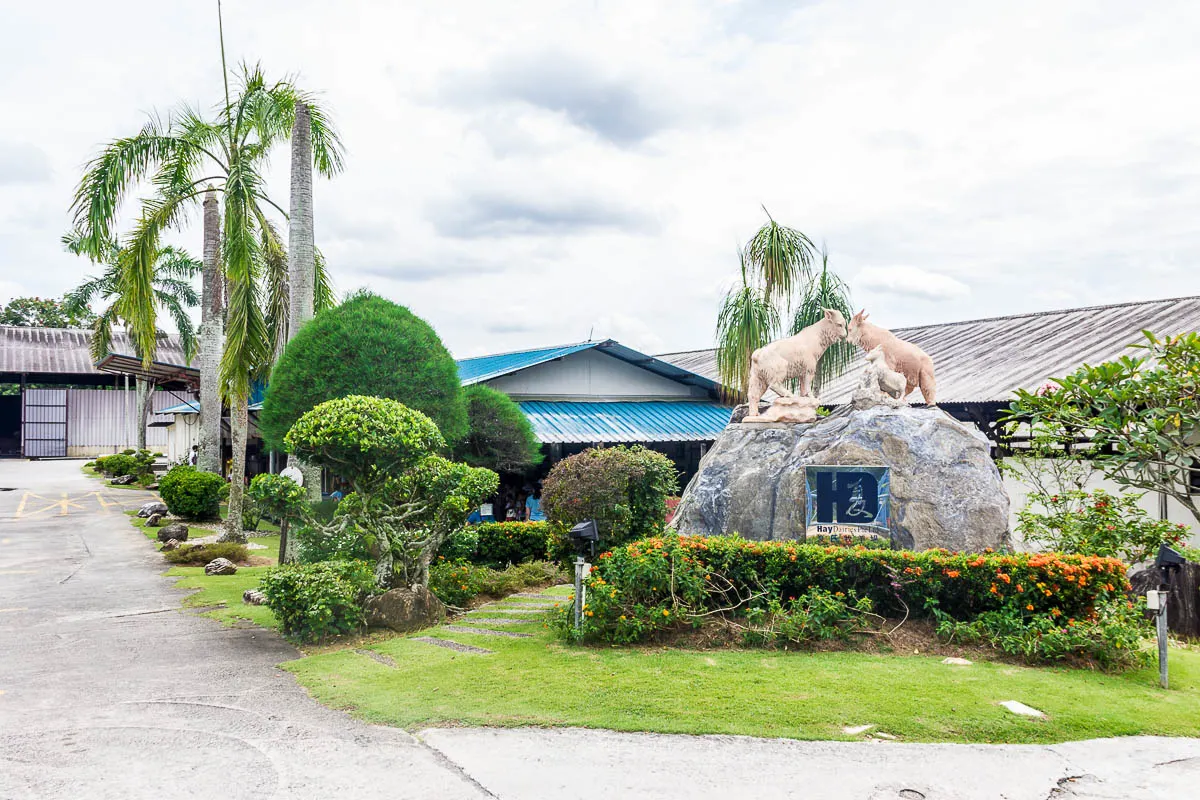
170,544
124,480
253,597
152,486
152,508
882,735
220,566
154,520
959,662
1022,709
856,730
176,530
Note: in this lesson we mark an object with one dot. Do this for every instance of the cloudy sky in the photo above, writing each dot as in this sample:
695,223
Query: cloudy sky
522,174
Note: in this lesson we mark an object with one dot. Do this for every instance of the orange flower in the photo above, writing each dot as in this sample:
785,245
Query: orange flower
952,573
994,590
666,613
1029,607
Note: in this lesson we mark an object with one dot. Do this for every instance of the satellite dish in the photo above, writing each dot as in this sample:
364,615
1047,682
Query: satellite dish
295,474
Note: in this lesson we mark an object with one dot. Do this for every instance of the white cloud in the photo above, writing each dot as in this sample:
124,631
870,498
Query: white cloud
906,281
511,181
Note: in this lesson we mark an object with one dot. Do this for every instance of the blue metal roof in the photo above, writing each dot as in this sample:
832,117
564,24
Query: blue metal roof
483,368
486,368
193,407
625,421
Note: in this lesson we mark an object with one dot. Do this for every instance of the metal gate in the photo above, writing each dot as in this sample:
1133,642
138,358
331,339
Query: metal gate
44,423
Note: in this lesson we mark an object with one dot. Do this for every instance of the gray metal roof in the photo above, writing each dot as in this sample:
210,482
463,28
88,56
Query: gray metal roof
985,360
66,351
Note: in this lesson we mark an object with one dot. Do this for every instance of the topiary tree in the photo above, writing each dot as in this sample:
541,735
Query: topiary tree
282,498
405,499
624,489
499,436
366,346
192,494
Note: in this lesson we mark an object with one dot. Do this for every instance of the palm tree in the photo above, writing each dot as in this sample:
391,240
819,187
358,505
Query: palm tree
172,278
747,321
183,157
827,290
781,258
212,337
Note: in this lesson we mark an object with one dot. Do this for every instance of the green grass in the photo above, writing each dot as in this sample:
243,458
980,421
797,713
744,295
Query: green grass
225,592
91,473
541,681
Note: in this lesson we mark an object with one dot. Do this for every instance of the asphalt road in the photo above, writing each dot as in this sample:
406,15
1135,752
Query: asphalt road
107,690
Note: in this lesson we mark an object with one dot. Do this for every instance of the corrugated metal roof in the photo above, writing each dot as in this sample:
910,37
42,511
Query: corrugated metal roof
985,360
574,423
483,368
66,351
193,407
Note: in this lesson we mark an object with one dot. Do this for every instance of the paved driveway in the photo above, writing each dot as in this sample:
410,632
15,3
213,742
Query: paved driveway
108,691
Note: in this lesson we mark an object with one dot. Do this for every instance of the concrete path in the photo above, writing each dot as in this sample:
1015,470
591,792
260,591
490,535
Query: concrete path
107,690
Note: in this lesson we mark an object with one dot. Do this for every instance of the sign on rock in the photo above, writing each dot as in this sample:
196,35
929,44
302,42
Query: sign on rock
847,501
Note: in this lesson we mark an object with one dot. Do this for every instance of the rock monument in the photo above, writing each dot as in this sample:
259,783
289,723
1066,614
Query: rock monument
930,479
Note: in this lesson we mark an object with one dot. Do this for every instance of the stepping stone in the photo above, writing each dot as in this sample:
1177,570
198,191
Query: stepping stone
882,735
1022,709
380,657
958,662
531,596
535,606
486,632
449,645
499,621
487,610
856,730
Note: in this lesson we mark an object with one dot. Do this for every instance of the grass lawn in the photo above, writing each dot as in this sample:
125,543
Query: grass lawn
225,592
540,681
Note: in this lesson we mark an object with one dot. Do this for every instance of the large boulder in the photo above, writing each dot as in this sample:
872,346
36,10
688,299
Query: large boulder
945,488
152,508
404,610
176,530
220,566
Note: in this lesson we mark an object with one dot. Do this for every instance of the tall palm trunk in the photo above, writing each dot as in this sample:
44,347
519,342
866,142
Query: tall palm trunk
212,335
302,265
239,428
145,392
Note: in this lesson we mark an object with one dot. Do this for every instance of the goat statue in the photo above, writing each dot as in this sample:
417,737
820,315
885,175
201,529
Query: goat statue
898,355
795,357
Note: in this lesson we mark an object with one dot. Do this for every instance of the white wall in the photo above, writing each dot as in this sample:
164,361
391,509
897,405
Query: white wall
184,433
1018,491
104,421
590,375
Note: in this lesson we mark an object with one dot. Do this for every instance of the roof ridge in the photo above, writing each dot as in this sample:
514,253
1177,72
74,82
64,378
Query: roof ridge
1051,312
533,350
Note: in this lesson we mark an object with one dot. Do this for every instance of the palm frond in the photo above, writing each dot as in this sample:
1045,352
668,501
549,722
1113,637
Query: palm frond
323,296
826,291
102,329
276,281
175,262
175,307
247,351
747,321
781,258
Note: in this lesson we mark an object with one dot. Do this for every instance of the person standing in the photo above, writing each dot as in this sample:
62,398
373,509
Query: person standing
533,507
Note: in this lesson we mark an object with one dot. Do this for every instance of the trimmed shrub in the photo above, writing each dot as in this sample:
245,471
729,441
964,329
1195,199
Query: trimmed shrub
498,544
1097,524
197,555
192,494
458,584
499,436
121,464
366,346
651,585
624,489
315,601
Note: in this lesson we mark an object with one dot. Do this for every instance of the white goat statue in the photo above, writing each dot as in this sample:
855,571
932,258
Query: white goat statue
879,385
903,357
795,357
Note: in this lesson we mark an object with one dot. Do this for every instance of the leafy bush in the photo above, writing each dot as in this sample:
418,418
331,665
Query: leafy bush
458,584
366,346
315,601
192,494
282,499
624,489
197,555
647,586
252,513
816,615
405,499
1098,524
497,544
499,435
130,462
1111,637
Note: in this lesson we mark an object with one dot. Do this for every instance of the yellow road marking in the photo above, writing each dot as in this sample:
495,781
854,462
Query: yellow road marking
21,507
104,503
10,610
5,541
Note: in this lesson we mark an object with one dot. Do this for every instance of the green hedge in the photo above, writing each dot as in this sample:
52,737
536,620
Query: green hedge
498,544
314,601
191,493
653,584
457,584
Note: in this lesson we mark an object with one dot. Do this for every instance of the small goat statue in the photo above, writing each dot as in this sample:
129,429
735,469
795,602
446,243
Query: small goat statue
900,356
879,385
794,357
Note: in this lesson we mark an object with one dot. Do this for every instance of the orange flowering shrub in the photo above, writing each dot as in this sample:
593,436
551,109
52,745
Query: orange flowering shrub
631,586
